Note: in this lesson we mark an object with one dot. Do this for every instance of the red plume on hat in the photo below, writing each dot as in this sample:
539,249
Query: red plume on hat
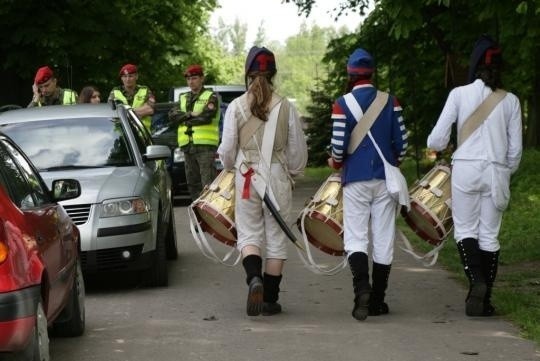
43,74
128,69
194,69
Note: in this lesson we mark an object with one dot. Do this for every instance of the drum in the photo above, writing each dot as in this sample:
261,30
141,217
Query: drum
214,209
430,215
322,218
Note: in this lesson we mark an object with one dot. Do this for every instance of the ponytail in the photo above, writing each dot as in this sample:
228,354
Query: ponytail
261,88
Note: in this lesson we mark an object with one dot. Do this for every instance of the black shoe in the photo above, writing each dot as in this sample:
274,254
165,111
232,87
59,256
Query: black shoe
255,297
377,309
271,308
474,305
361,306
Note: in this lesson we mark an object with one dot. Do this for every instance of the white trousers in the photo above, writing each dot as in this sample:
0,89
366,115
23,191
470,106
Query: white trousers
255,225
369,213
473,211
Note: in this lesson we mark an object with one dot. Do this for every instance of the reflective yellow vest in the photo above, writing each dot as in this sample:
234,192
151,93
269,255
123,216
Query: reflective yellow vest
138,100
207,134
68,97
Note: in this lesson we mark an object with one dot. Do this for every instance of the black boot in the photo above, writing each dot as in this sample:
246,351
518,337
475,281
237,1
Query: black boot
472,265
379,277
490,263
253,266
358,263
271,295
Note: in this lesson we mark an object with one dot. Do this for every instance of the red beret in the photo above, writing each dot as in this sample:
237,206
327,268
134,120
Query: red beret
128,69
43,74
194,69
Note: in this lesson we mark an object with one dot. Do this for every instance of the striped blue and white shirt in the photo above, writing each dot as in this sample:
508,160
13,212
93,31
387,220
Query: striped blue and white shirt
388,130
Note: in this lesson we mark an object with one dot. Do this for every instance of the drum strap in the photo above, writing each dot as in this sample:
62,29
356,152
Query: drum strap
367,118
480,115
248,129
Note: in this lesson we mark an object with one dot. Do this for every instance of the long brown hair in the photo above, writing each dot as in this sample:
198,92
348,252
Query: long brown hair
261,88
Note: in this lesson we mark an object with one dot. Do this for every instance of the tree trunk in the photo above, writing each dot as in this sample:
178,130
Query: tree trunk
532,130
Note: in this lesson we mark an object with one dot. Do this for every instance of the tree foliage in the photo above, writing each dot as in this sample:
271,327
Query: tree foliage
88,41
422,49
299,63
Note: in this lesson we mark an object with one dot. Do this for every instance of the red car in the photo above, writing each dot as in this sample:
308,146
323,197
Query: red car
41,282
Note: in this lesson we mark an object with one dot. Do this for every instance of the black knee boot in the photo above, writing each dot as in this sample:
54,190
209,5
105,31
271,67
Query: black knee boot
271,295
253,266
379,277
472,265
490,263
358,263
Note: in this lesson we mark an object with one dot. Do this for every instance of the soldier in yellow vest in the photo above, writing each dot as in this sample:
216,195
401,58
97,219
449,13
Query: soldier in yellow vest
197,118
47,92
140,97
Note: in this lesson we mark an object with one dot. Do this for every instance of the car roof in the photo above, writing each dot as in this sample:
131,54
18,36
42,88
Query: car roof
57,112
217,88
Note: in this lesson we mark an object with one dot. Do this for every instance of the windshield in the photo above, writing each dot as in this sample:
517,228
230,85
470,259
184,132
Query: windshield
72,143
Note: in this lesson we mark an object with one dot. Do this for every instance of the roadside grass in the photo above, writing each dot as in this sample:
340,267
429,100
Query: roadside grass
516,294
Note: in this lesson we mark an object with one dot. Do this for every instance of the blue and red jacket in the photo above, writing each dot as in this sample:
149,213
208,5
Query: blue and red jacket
388,130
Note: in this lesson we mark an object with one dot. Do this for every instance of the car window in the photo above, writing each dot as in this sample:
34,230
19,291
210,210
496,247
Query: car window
142,137
227,97
73,143
14,181
39,193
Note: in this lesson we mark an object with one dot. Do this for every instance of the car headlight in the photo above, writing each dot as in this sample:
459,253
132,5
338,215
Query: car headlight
178,155
123,207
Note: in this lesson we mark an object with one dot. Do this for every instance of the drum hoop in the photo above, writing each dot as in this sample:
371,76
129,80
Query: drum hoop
436,225
326,220
316,243
202,206
322,247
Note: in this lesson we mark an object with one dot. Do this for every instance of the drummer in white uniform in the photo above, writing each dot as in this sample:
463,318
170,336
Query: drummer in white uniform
249,121
481,170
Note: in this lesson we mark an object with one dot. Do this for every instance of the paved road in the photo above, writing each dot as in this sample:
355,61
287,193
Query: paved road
201,316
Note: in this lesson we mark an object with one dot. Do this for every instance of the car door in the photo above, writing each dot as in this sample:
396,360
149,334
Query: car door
157,169
46,221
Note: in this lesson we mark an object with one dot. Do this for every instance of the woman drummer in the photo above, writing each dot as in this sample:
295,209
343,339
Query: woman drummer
366,202
250,122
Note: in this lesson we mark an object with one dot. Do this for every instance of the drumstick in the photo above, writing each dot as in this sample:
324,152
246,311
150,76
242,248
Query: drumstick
281,221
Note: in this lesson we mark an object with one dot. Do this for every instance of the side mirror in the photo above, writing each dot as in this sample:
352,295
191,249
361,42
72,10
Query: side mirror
64,189
155,152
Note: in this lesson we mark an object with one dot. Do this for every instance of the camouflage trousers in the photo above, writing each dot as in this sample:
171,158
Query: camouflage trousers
200,167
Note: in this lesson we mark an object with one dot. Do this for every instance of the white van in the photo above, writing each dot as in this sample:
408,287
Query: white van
227,93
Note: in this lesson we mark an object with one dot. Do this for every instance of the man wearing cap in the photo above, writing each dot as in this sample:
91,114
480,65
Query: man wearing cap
47,92
197,118
369,211
274,150
487,155
139,97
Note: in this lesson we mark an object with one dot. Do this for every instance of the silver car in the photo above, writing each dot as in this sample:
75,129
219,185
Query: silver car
125,211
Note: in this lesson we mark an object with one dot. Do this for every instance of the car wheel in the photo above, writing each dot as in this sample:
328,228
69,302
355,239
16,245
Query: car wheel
71,321
158,275
171,242
38,347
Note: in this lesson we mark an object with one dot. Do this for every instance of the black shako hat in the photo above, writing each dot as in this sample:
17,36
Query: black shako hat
483,50
260,59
